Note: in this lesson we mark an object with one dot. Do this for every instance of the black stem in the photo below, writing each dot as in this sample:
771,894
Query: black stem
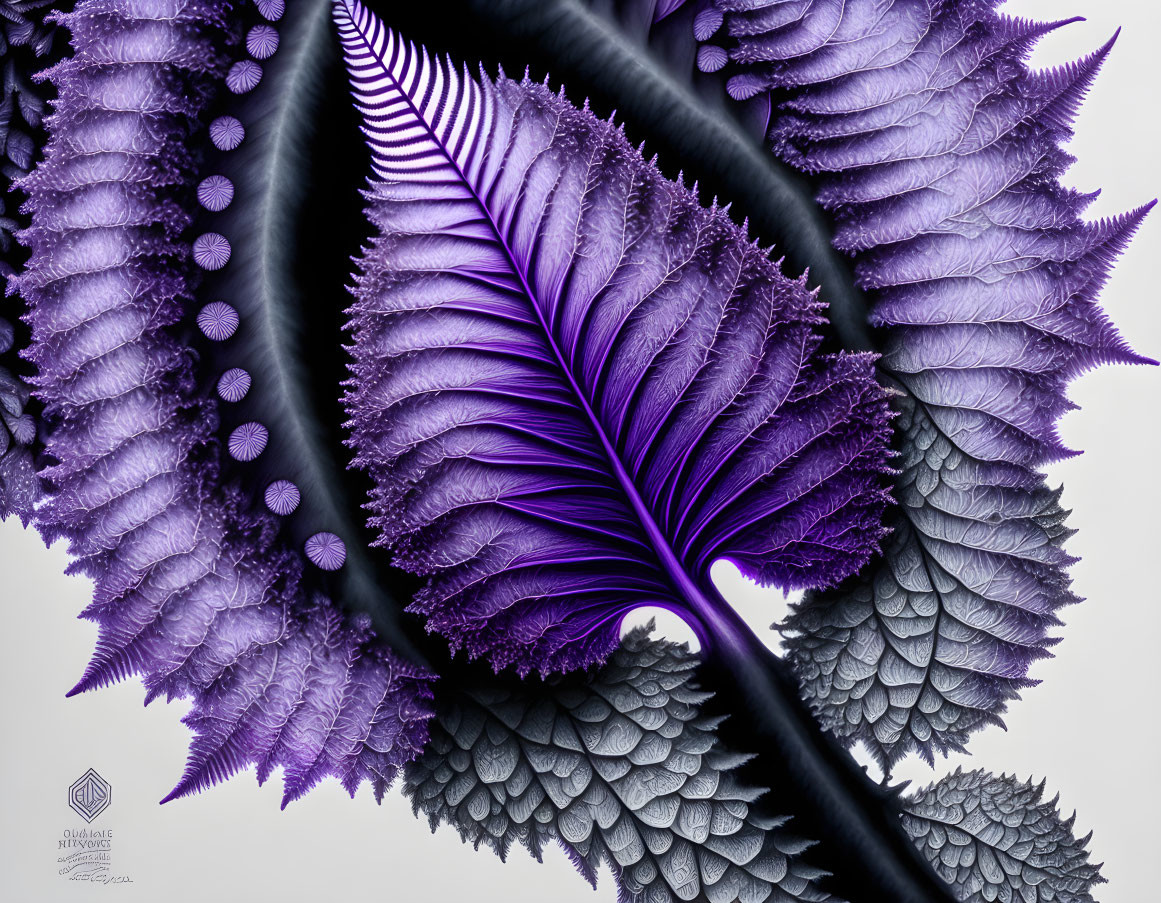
299,162
295,222
855,820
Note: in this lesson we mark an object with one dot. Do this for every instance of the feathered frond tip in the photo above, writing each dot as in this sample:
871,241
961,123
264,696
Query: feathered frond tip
575,387
938,153
620,769
193,590
997,838
326,700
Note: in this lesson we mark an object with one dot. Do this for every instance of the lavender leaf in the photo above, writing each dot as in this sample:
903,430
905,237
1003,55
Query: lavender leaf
938,152
194,590
574,386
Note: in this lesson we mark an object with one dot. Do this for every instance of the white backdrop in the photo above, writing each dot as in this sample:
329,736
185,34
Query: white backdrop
1091,728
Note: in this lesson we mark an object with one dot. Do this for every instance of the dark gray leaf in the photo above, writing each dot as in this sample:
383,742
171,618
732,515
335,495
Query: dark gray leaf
623,770
995,838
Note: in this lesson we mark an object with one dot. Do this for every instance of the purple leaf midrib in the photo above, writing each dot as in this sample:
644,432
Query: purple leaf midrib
473,597
696,599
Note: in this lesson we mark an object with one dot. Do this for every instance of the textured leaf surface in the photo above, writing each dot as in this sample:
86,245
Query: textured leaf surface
621,770
996,838
937,150
193,590
27,43
20,486
574,386
938,637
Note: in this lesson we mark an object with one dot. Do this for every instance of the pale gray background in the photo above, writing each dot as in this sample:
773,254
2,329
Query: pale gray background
1091,728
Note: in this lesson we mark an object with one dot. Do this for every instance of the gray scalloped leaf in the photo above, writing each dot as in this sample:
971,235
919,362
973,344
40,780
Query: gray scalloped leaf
623,770
931,643
996,839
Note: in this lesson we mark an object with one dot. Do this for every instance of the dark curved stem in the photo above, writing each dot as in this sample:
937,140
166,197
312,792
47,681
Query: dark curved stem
855,820
293,226
295,165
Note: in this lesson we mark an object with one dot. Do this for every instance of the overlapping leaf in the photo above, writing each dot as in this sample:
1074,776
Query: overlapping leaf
193,589
620,769
996,838
937,151
929,646
574,386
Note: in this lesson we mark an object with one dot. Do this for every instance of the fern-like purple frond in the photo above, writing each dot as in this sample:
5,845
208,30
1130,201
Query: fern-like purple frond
938,152
574,386
193,590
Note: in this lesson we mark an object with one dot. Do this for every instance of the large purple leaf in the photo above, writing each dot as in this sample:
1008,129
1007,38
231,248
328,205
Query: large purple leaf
574,386
938,152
